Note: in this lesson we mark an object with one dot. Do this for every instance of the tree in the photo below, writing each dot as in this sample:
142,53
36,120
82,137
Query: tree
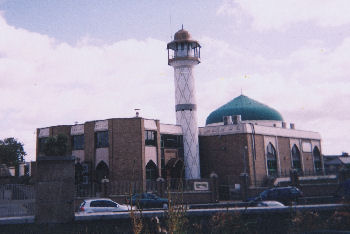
56,146
11,152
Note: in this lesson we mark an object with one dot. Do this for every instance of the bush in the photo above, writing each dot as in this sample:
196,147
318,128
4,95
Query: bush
56,146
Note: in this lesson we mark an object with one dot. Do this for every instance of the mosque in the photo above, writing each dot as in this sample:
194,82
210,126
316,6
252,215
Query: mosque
242,136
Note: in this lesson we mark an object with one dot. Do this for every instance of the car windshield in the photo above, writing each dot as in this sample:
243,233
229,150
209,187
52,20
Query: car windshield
151,196
136,196
295,190
264,194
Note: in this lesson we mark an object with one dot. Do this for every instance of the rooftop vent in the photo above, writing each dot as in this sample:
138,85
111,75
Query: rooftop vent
292,126
227,120
236,119
137,112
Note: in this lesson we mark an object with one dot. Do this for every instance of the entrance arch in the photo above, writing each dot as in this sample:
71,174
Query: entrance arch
296,159
175,168
102,171
151,171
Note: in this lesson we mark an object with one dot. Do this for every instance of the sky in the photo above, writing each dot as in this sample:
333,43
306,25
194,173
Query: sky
64,61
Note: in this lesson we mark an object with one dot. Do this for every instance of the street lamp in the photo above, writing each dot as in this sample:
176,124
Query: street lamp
244,158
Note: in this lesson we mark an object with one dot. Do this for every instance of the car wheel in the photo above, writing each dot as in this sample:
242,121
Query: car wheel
165,206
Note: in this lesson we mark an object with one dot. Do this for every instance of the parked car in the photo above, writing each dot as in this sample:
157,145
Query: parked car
101,205
269,204
343,191
285,195
148,200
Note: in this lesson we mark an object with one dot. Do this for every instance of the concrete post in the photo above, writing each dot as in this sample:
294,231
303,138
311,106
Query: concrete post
214,187
244,185
294,178
160,186
105,183
54,189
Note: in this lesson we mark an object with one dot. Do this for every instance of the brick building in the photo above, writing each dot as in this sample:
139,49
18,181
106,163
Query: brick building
245,136
121,149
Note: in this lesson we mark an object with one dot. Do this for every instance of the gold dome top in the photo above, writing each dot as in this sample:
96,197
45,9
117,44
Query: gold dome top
182,35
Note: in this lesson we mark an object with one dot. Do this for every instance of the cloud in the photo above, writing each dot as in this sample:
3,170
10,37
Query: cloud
45,82
277,15
308,87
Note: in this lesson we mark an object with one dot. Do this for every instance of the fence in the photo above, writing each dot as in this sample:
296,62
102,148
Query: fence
126,187
16,200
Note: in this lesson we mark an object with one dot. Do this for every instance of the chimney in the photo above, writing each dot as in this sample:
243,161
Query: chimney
227,120
292,126
137,112
284,124
236,119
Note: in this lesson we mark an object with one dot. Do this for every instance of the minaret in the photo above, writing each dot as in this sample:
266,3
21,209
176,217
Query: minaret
183,54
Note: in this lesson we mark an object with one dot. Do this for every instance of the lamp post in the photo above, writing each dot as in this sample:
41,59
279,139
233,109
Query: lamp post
244,177
244,158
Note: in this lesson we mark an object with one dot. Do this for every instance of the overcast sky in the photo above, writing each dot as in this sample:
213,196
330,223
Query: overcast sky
64,61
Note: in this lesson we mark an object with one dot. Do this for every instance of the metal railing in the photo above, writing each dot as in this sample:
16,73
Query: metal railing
17,200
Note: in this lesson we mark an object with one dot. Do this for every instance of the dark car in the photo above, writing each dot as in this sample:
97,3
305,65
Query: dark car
343,191
148,200
285,195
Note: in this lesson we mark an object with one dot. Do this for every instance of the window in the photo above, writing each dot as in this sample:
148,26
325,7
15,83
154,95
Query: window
171,141
151,138
109,204
271,160
42,142
317,160
78,142
151,196
95,204
296,162
102,139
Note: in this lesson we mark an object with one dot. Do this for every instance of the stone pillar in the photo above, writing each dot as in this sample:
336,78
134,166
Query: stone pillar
244,185
54,189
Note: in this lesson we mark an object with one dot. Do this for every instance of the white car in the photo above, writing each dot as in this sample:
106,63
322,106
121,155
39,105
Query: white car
101,205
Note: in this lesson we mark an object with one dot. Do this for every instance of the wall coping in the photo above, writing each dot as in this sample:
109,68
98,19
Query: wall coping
55,158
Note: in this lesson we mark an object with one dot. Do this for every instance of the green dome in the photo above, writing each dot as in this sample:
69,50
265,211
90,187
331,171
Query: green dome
248,108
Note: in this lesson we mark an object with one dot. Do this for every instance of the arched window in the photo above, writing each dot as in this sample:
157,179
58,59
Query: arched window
271,160
151,171
317,160
296,161
102,171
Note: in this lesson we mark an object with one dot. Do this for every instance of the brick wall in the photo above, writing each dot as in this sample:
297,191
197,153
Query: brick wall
224,156
285,154
89,142
260,161
128,147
